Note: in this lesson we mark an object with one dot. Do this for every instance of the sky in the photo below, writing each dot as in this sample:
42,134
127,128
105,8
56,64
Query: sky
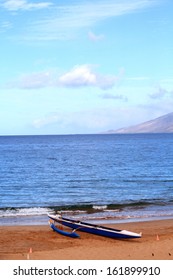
76,67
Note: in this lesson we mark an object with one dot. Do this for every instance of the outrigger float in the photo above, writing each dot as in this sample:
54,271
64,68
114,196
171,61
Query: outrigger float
72,234
89,228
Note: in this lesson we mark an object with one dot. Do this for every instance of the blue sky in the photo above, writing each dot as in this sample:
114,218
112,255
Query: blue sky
84,66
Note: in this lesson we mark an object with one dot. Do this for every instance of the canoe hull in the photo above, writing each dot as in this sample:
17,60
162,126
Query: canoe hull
95,229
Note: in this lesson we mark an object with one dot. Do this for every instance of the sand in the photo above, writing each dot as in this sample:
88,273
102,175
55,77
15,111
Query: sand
41,243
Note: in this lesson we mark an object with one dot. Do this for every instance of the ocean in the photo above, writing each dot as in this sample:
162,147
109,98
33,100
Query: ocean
101,177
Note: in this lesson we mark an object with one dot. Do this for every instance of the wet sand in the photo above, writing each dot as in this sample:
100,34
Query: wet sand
41,243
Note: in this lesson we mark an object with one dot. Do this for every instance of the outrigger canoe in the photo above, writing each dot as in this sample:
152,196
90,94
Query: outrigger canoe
94,229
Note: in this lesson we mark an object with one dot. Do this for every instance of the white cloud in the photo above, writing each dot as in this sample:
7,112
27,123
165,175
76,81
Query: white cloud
47,120
158,93
32,81
136,79
79,76
93,37
108,95
161,92
83,75
5,25
15,5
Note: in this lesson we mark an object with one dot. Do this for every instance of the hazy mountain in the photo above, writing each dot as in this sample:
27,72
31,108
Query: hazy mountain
163,124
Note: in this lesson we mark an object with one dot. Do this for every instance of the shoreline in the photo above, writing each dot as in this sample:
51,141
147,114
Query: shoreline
39,242
39,220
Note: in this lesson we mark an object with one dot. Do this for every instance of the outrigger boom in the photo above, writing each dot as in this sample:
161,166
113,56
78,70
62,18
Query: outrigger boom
94,229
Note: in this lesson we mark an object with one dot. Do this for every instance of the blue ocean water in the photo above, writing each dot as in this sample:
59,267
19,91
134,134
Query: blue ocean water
90,176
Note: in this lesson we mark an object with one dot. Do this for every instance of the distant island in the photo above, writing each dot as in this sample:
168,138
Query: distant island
163,124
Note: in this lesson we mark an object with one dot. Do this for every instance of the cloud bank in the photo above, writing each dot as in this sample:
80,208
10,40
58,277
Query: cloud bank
16,5
64,19
77,77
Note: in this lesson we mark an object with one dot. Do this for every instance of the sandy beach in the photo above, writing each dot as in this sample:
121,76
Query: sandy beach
41,243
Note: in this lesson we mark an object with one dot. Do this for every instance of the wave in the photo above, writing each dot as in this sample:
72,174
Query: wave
88,209
91,208
14,212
